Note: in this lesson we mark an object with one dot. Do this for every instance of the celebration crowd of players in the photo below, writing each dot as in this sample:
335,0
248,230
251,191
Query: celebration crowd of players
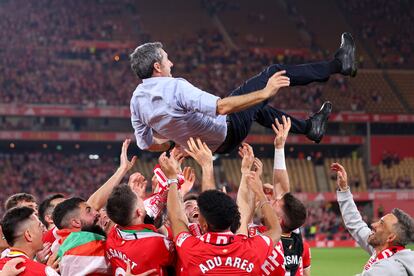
118,230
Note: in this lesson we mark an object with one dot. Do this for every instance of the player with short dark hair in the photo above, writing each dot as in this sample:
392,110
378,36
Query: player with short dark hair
23,231
131,240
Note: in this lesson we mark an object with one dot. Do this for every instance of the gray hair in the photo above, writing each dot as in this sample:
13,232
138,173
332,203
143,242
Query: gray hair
404,227
143,59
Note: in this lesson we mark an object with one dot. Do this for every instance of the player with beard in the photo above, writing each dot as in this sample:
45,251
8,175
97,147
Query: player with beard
23,231
131,240
217,251
387,238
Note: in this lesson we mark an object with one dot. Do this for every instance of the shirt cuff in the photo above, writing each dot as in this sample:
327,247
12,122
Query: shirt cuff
208,104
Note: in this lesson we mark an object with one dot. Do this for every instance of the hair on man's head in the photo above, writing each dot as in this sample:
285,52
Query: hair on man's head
404,228
294,213
220,210
12,222
121,205
46,208
144,57
65,211
15,199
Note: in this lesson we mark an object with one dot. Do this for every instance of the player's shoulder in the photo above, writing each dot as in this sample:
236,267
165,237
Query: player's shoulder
259,240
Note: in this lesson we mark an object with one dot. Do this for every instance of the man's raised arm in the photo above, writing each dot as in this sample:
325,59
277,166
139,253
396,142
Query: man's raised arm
350,214
234,104
175,209
245,199
271,221
99,198
280,176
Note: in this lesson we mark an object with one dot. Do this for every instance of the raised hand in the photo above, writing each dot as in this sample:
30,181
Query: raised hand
125,164
258,166
138,184
43,254
247,155
281,131
189,179
255,184
168,165
200,152
342,177
277,81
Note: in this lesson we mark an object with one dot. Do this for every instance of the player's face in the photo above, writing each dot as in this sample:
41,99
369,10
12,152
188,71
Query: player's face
88,215
191,210
36,229
382,231
165,65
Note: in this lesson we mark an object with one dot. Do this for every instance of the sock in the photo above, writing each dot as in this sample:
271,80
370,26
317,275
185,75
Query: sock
335,66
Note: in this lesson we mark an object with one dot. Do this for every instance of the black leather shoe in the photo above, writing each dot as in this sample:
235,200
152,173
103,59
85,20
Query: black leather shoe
346,55
318,121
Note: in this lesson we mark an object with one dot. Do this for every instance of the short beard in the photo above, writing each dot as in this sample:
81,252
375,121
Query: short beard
374,241
94,229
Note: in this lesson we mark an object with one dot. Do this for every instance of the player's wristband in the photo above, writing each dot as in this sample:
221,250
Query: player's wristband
172,181
279,162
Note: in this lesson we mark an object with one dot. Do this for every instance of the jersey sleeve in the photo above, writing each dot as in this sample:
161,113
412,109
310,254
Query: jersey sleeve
306,256
194,99
185,243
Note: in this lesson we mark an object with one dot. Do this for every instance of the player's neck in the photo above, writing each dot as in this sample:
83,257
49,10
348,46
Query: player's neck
25,249
379,248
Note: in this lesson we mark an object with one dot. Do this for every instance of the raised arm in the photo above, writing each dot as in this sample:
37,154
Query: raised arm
245,199
99,198
350,214
204,157
175,209
271,221
280,176
234,104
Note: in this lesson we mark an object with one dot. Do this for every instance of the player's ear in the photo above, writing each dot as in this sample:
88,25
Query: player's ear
157,67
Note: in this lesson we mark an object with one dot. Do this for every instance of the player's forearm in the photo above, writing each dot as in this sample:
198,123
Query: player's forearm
208,182
245,201
234,104
174,208
280,175
271,220
99,198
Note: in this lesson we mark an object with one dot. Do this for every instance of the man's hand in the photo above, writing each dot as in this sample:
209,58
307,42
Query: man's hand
179,156
168,165
43,254
125,164
258,166
275,82
138,184
256,185
146,273
189,179
53,261
9,268
247,155
281,131
342,178
200,152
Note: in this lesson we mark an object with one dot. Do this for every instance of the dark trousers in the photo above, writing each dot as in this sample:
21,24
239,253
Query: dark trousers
239,124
